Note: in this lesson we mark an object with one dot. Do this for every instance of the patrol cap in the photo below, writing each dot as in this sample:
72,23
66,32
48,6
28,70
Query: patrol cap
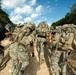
20,25
8,27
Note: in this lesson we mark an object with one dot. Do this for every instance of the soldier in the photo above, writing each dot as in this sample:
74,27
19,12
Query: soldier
42,32
19,49
72,29
19,57
3,33
60,47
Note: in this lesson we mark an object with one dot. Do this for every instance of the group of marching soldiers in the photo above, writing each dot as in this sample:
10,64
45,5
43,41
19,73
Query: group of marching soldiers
25,37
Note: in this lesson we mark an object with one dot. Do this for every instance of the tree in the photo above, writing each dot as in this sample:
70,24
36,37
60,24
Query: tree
70,18
0,4
73,8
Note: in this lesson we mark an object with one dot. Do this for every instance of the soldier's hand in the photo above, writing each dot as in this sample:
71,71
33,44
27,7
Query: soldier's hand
8,33
49,37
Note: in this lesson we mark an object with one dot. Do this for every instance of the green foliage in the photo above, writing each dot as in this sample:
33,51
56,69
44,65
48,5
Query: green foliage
70,18
3,16
0,4
3,19
73,8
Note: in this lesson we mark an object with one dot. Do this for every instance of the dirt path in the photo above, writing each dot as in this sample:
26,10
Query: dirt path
34,68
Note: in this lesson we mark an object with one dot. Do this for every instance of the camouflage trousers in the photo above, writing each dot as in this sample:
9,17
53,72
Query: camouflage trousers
40,47
58,62
19,57
1,57
1,53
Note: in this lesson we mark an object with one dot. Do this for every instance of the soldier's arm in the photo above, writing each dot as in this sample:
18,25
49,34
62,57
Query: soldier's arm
48,38
8,33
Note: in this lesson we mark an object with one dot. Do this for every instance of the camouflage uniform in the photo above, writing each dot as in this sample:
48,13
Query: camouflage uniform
1,53
19,49
60,48
55,55
18,54
3,30
72,29
40,47
42,31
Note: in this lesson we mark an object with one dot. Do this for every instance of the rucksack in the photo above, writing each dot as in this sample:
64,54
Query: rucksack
43,29
74,42
66,41
42,32
23,33
63,41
